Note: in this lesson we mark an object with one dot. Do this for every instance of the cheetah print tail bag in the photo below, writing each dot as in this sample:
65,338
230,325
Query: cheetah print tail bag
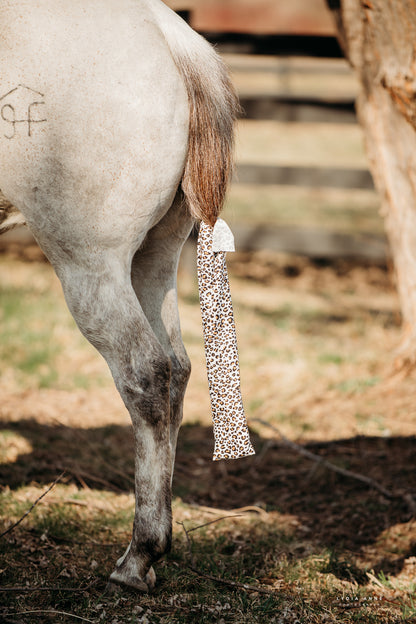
230,425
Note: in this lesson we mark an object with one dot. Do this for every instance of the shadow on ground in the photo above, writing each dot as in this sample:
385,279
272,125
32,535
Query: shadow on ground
333,511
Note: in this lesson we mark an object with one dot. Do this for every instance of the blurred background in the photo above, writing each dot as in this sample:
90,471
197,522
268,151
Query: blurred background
302,184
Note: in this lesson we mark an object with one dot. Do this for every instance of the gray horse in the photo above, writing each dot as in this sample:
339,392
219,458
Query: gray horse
116,131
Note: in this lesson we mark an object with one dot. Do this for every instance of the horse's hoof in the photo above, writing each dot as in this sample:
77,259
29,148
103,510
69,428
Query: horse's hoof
119,577
150,579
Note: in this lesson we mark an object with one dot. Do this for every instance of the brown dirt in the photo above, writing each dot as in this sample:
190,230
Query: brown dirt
370,429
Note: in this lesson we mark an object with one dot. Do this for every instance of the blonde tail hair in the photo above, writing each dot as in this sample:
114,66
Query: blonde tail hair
213,109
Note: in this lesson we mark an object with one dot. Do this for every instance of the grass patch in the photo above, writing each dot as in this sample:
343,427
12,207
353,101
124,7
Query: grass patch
295,378
71,540
354,386
341,568
330,358
39,338
25,342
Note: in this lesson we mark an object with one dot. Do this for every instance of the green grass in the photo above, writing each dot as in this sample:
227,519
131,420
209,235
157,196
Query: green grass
292,342
72,539
352,386
330,358
36,332
25,343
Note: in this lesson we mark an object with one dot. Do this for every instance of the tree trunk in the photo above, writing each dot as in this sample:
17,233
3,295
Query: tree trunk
379,39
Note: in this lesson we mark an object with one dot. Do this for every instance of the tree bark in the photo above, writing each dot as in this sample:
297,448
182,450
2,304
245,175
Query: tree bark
379,40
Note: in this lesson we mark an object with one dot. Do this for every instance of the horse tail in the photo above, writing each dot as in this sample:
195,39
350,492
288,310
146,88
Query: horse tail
10,216
213,109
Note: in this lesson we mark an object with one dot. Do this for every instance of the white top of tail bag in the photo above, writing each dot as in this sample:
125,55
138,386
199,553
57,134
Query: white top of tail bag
222,237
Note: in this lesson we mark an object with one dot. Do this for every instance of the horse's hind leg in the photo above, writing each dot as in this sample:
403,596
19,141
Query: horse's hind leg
154,272
103,302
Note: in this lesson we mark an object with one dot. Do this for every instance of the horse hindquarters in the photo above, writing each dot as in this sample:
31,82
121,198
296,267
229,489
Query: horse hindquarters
93,163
